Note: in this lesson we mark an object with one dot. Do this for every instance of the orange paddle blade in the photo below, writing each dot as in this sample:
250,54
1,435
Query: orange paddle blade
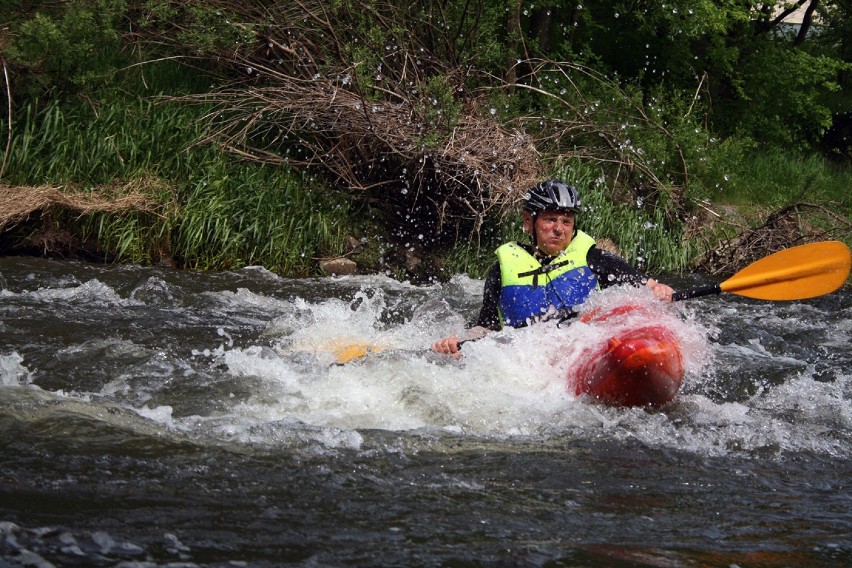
797,273
346,352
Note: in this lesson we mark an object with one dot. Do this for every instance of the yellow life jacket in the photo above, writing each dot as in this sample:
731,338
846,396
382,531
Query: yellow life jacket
530,289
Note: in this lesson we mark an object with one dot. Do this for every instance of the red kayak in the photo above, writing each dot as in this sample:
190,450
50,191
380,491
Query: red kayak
639,364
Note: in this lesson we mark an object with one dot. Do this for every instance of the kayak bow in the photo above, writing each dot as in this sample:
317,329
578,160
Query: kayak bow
640,364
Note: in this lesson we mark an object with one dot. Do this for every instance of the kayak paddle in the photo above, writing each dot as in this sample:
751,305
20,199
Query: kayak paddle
796,273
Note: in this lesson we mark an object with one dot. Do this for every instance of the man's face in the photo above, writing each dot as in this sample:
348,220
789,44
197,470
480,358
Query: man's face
553,230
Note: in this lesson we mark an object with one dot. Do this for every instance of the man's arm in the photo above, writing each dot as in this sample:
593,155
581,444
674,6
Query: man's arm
489,316
487,321
611,270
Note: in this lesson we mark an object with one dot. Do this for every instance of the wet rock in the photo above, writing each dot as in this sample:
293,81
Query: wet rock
353,245
339,266
413,261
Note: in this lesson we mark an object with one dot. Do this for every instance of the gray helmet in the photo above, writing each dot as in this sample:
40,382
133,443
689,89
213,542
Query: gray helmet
553,195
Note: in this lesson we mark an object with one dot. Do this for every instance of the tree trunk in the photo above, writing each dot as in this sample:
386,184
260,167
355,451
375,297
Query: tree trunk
807,20
540,29
513,28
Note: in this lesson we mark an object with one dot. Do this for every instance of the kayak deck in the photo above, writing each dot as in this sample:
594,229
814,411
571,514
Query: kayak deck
637,365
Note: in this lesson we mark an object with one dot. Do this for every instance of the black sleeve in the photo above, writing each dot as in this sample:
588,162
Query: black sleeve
611,269
488,315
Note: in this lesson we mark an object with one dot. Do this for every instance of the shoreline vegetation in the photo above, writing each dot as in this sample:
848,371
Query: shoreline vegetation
315,140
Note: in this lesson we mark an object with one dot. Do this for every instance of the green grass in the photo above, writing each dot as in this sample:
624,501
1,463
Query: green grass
98,143
249,215
748,186
774,178
216,212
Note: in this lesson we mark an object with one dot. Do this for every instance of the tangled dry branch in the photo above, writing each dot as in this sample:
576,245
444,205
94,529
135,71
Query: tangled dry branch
465,168
796,224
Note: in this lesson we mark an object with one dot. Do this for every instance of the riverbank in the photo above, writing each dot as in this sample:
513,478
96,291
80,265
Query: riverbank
128,224
216,137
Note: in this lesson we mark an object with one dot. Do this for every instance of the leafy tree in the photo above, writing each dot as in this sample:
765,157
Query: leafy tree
68,46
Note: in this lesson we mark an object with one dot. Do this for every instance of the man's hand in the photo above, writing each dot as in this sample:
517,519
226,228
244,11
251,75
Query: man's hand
448,346
660,290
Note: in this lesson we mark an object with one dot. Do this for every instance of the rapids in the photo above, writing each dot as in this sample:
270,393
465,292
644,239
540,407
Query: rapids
152,417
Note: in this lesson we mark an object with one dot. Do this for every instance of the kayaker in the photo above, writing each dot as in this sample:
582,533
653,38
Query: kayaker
557,271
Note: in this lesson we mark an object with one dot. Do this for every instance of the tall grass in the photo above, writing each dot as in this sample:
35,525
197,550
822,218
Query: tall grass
775,177
745,185
240,216
216,213
90,145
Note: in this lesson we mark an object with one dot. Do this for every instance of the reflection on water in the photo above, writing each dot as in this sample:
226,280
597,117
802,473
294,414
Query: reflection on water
153,416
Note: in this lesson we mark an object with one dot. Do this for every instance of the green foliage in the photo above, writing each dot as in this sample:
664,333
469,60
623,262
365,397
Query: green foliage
776,177
158,10
762,85
473,34
285,222
126,237
779,95
88,145
76,47
438,108
210,29
713,170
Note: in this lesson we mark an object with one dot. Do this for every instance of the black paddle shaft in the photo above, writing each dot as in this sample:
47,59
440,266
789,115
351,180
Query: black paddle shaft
676,297
696,292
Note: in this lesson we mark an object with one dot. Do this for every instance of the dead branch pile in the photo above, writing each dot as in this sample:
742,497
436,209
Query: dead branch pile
315,89
792,225
20,203
389,121
378,147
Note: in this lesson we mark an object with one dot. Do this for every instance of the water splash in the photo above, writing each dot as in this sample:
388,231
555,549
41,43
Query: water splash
248,358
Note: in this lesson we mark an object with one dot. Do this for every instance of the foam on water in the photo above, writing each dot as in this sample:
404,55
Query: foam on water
12,372
511,383
92,292
279,385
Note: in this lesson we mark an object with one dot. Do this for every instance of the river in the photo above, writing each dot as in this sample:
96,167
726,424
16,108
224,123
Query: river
151,417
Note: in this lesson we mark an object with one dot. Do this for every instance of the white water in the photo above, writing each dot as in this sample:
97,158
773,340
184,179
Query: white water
282,378
161,418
